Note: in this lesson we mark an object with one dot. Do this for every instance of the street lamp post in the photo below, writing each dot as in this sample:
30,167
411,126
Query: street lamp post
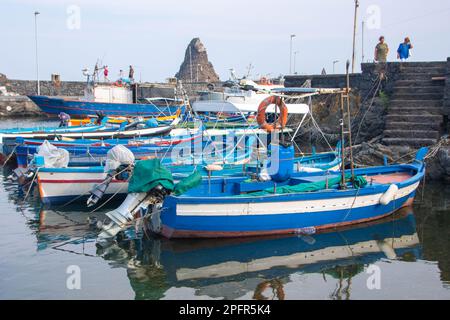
290,58
334,64
295,60
354,35
363,57
37,61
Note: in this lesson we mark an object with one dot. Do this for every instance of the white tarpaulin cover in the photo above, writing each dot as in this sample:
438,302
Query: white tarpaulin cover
230,107
118,156
53,157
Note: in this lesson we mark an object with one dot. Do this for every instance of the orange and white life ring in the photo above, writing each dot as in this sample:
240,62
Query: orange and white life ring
283,116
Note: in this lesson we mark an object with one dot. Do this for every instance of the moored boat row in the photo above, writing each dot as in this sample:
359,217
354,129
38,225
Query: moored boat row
239,176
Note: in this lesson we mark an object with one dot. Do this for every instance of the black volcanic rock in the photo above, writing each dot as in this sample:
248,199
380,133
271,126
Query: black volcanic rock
196,53
3,79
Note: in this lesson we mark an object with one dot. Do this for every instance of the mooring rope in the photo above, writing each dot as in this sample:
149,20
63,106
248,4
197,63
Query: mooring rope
368,109
86,193
9,156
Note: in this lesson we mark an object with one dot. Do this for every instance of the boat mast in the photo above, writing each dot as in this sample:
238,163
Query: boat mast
341,123
345,94
349,123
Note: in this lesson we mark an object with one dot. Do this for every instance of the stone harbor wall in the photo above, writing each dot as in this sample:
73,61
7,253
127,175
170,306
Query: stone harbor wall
48,88
447,91
17,107
406,113
15,104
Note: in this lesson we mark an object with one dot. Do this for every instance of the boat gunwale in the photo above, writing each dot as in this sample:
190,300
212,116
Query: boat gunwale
368,190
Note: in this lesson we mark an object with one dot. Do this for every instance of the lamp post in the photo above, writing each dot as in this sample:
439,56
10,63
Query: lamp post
363,57
36,13
295,60
290,58
334,64
354,35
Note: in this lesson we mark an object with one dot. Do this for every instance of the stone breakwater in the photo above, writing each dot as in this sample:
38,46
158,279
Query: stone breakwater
18,105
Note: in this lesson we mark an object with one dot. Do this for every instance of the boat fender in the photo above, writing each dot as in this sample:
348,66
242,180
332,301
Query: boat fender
388,250
264,175
389,195
213,167
307,170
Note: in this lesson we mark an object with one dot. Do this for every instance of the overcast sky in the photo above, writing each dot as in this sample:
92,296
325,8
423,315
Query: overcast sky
153,34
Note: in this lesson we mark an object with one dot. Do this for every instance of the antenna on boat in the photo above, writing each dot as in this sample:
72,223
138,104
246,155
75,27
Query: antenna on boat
346,117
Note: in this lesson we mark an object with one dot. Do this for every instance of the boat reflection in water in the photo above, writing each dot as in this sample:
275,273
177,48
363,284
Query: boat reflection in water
258,268
235,268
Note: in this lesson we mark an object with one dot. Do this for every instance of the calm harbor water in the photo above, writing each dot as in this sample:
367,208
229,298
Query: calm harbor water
403,257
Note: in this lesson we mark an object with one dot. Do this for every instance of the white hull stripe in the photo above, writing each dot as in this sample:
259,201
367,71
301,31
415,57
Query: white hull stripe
291,207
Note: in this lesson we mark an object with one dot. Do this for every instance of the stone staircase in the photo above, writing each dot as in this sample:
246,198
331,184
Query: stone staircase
415,114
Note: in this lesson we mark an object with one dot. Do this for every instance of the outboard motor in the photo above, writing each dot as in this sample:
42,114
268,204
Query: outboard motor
150,184
118,166
134,204
134,124
98,192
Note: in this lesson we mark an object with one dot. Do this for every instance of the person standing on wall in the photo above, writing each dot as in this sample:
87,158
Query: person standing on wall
131,73
381,51
404,50
105,73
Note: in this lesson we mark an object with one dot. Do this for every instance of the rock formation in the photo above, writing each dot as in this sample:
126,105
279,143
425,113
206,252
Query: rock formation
196,66
2,79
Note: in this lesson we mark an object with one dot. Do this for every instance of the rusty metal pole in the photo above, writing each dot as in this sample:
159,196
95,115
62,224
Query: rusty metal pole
349,121
342,124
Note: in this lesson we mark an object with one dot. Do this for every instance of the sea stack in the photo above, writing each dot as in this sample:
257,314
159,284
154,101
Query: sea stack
196,66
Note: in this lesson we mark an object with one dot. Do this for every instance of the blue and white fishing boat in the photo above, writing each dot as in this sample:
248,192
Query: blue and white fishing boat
48,131
90,153
111,100
236,207
10,142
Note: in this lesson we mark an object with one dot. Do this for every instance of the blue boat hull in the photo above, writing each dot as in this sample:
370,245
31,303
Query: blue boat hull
225,213
79,109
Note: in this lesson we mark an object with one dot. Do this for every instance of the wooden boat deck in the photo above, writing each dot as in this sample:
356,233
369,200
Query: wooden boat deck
390,178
